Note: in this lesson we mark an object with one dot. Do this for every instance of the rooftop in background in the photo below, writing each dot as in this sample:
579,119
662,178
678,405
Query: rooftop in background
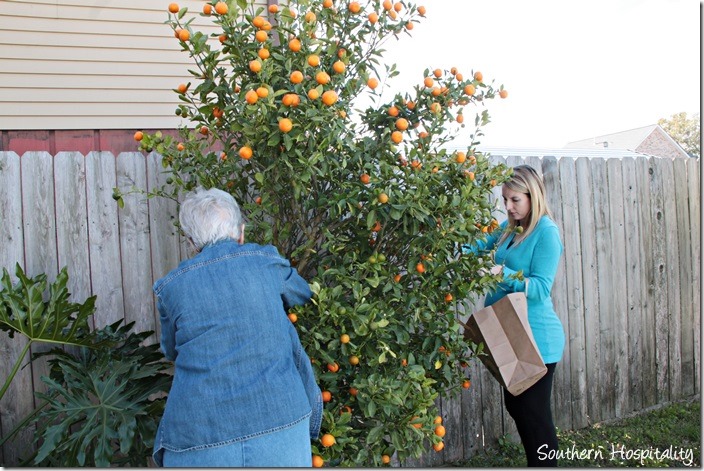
553,152
652,140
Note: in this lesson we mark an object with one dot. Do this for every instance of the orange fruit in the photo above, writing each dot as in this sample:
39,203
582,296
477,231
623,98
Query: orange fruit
184,35
373,17
365,178
392,14
396,137
285,125
354,391
294,45
263,53
410,105
355,7
258,200
420,268
478,76
310,17
313,60
466,384
440,431
421,10
344,338
318,461
383,198
180,147
428,82
338,67
313,94
354,360
138,136
386,459
376,227
204,130
221,8
333,367
267,26
296,76
329,97
401,124
182,88
438,420
409,26
173,8
417,424
222,38
393,111
292,317
438,446
372,83
322,78
327,440
460,157
261,36
416,164
207,9
448,298
327,396
273,9
251,97
460,118
327,3
245,152
255,66
437,73
387,5
404,362
346,409
258,22
435,107
398,6
469,90
397,277
503,93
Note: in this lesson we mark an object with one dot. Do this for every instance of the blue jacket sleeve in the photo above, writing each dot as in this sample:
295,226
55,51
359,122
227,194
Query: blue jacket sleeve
485,244
543,267
315,396
295,290
168,333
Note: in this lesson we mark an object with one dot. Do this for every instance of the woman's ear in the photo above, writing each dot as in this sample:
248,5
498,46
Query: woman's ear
241,238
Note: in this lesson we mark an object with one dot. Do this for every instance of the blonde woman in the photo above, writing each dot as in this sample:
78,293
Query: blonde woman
529,242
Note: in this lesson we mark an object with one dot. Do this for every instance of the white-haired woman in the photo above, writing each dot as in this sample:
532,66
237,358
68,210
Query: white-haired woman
529,242
243,393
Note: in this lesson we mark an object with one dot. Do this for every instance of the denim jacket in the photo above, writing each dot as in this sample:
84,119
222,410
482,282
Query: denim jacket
240,369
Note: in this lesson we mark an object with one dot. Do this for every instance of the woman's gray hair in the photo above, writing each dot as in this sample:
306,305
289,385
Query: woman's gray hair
208,216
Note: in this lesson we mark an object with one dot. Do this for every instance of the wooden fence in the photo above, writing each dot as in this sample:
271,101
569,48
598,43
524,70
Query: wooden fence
627,289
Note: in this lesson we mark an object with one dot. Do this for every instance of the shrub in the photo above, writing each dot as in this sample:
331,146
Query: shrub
368,204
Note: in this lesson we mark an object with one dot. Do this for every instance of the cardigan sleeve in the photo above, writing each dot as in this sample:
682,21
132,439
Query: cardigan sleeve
543,266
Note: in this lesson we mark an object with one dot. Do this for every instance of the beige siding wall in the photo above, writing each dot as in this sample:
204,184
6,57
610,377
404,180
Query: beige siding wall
91,64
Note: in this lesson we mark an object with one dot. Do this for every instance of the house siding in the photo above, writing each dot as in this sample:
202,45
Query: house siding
90,65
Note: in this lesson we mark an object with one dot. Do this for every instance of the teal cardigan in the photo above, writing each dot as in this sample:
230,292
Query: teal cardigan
537,257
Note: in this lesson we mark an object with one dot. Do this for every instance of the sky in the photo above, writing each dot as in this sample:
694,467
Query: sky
573,69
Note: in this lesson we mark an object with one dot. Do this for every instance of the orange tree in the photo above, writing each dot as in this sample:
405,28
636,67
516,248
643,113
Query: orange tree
369,205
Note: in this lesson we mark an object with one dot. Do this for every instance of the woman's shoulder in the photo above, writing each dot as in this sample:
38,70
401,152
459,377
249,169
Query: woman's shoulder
546,223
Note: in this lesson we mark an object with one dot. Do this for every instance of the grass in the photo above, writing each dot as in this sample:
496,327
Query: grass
665,437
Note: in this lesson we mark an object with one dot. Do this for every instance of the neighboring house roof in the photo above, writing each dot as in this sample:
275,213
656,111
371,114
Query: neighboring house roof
524,152
652,140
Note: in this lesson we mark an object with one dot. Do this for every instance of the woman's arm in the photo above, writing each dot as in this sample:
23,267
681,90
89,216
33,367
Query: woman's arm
543,266
168,333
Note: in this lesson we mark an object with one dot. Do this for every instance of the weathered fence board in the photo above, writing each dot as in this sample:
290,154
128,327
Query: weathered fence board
694,200
39,236
135,246
17,402
628,287
618,308
634,297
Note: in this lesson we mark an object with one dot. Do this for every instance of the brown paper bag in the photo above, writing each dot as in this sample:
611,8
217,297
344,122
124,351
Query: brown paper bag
510,351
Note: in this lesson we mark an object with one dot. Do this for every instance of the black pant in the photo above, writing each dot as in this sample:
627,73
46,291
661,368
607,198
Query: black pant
531,412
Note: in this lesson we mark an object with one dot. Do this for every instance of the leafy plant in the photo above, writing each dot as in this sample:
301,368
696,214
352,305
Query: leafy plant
103,403
369,205
55,321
